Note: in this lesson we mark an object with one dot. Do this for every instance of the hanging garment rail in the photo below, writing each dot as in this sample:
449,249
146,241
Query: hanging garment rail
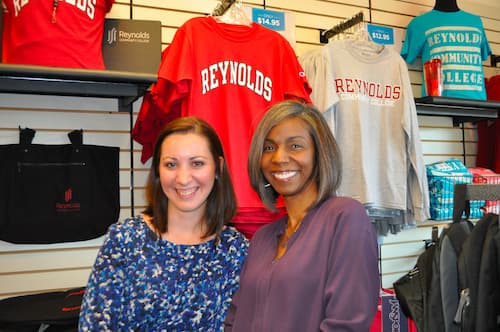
222,7
325,35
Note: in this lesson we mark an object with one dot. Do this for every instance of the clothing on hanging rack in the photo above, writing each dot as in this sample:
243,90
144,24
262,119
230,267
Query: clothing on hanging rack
345,76
233,91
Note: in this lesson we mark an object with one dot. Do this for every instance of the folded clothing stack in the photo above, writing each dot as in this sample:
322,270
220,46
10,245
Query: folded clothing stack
487,176
442,177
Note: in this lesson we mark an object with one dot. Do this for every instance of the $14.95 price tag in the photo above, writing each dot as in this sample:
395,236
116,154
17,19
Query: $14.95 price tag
270,19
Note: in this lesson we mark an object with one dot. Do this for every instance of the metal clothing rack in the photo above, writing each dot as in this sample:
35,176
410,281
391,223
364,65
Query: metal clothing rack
494,59
325,35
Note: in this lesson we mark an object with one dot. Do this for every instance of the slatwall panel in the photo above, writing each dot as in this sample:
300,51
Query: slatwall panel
27,269
34,268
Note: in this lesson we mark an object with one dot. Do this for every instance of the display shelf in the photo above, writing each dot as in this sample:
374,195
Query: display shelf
467,192
461,110
480,191
124,86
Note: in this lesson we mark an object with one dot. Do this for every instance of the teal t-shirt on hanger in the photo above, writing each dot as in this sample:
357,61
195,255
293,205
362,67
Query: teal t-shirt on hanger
458,39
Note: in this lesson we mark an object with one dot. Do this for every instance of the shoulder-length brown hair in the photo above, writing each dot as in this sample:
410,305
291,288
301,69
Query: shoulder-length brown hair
327,169
221,202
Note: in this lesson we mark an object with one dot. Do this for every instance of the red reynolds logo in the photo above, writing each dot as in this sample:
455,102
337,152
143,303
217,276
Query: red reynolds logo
67,205
68,195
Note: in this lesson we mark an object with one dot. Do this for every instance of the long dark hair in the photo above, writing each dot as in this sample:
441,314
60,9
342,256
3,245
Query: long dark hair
221,202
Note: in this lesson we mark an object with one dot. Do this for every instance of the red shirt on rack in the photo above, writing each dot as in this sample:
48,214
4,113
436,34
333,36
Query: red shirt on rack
212,70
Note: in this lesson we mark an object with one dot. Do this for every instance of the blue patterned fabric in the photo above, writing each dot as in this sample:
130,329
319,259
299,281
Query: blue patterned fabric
442,177
142,283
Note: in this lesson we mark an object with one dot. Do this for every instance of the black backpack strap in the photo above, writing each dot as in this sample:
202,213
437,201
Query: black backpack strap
435,234
458,233
26,135
460,202
76,137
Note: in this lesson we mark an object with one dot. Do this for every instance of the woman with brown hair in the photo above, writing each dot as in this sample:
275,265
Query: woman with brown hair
176,266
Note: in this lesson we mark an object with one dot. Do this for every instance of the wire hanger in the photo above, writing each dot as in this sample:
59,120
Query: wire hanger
363,42
222,7
361,32
231,11
325,35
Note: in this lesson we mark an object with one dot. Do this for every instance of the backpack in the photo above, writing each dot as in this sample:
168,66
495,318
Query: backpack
444,288
442,270
412,289
479,308
47,312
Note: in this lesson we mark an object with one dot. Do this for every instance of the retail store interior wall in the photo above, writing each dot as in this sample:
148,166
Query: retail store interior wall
26,269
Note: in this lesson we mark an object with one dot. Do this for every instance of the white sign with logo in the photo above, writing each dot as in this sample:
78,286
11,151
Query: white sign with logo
132,45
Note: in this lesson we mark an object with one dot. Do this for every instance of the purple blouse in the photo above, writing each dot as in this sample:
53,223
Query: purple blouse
328,280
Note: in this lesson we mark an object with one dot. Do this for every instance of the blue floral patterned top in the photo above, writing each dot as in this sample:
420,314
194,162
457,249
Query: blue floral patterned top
140,282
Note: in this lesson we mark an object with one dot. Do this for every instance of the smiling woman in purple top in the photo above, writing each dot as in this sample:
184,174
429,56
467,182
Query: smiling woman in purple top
315,269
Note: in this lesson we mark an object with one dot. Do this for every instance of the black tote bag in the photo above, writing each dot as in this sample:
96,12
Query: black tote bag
57,193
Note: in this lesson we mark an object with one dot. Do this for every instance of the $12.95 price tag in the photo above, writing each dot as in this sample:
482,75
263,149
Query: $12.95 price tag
381,34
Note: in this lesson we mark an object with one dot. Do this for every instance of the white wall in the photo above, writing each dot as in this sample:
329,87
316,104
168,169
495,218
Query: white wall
26,269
